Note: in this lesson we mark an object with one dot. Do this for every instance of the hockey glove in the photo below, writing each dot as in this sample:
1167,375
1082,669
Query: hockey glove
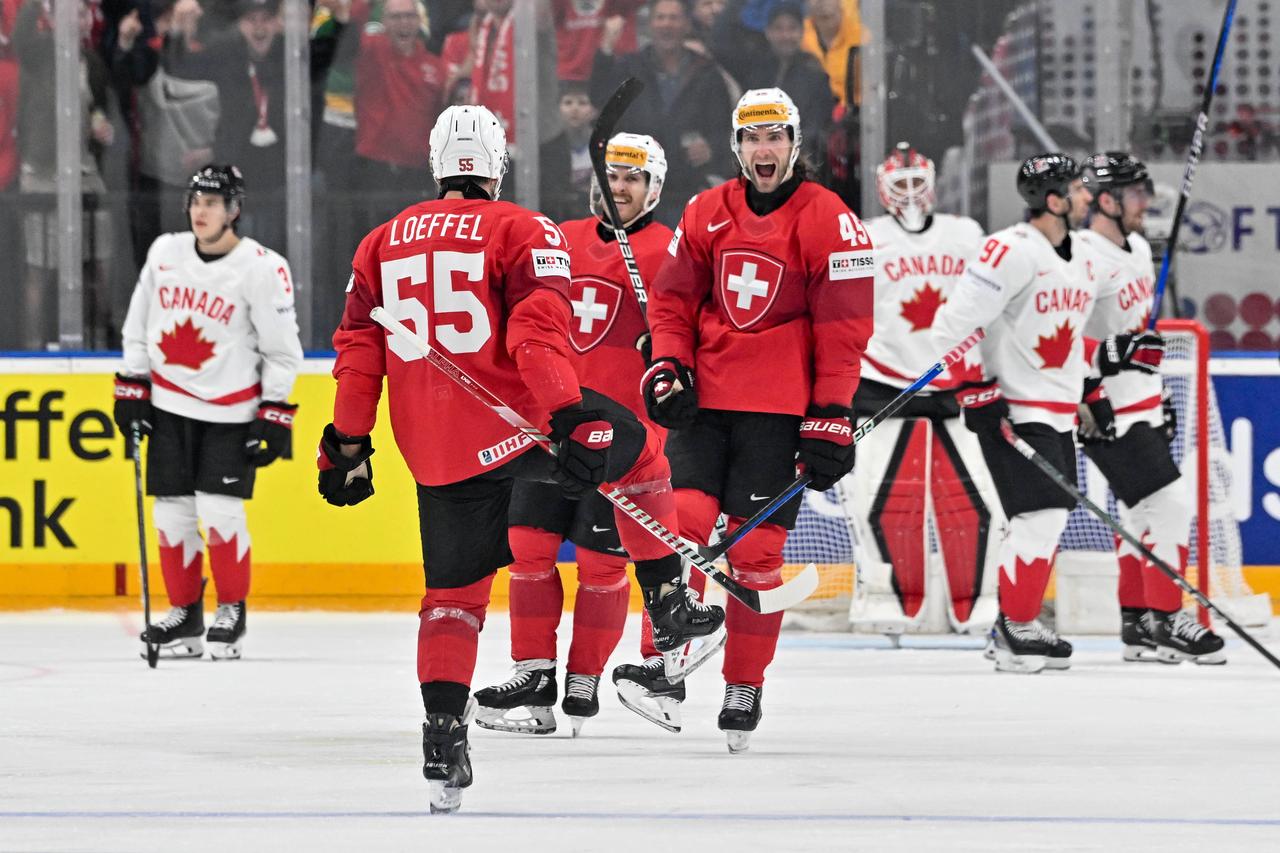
669,396
826,445
1141,351
1097,417
984,407
1169,429
344,480
133,403
271,435
582,438
644,344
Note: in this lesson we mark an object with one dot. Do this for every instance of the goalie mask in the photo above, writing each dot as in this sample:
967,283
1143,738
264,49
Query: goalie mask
906,183
766,109
469,142
632,152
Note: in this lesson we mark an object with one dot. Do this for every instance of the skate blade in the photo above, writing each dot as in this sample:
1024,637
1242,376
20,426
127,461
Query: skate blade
445,799
1007,661
1057,663
522,720
1165,654
662,711
225,651
679,663
1140,654
738,742
576,724
189,647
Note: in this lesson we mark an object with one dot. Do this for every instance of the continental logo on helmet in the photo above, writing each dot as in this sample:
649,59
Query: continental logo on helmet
626,155
763,114
845,265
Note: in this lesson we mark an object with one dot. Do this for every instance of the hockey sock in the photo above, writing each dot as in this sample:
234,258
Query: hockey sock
1026,558
445,697
753,637
1130,590
228,529
698,513
648,485
537,597
599,611
181,548
1164,518
449,626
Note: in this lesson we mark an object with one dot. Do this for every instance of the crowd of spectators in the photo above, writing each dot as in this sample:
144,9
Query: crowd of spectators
168,85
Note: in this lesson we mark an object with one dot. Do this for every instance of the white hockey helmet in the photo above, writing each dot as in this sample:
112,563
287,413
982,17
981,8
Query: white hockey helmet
635,152
468,141
770,107
906,182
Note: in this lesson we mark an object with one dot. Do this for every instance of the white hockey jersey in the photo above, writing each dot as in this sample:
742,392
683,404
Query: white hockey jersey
217,337
1034,306
915,274
1125,283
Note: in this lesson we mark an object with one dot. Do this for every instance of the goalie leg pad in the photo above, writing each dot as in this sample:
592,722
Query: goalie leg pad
181,548
963,498
229,552
897,516
449,624
1026,557
753,637
599,611
537,597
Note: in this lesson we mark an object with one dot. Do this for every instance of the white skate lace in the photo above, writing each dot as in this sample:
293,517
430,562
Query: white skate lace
523,671
1033,630
177,615
581,687
655,664
1187,627
225,618
739,697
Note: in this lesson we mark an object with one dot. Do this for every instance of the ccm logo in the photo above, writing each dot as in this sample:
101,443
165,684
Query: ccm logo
466,164
131,392
980,398
840,428
282,418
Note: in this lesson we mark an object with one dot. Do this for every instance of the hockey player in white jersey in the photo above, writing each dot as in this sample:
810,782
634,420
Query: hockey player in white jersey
1153,500
1022,289
921,464
211,350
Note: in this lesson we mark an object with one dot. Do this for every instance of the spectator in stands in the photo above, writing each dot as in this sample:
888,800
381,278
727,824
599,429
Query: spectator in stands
833,34
683,104
565,163
336,29
703,17
493,81
580,27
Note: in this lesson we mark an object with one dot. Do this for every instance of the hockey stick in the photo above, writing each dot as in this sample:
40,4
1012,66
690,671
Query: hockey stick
952,356
789,594
153,649
1189,174
598,147
1029,452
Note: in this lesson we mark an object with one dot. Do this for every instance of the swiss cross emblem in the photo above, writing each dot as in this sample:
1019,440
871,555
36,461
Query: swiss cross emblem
595,304
749,283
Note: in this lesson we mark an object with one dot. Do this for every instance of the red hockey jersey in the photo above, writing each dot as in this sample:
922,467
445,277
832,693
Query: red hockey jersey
771,312
606,317
487,282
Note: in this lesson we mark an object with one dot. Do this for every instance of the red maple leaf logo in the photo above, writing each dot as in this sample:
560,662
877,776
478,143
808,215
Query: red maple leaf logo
965,371
1053,350
920,308
185,346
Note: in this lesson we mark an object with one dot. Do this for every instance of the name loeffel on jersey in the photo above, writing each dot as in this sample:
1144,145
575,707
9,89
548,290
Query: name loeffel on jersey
415,228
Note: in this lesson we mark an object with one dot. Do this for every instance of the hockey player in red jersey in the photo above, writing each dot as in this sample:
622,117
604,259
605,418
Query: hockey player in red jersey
759,318
210,354
488,283
922,464
1153,500
605,331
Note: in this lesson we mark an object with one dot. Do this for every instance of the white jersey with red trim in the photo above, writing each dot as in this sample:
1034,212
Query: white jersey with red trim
915,274
216,337
1125,282
1034,306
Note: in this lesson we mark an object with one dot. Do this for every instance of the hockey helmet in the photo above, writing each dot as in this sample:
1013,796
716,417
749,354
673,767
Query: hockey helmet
634,152
1113,171
1044,175
906,181
770,107
226,181
468,141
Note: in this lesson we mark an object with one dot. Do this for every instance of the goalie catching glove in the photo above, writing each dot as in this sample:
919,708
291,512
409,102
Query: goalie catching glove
984,407
271,435
344,480
582,438
826,449
669,396
1141,351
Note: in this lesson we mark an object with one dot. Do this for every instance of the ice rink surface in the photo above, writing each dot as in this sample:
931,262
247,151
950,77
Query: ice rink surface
312,742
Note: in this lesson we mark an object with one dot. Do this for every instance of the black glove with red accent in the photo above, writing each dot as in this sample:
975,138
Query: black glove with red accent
984,407
1097,416
582,438
344,480
133,404
1141,351
669,396
271,435
826,445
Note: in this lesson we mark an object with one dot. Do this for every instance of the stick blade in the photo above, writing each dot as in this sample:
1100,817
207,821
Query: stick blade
790,593
611,114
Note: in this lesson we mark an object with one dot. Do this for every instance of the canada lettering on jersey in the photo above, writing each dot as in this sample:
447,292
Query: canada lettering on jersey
944,265
413,228
196,301
1136,292
1063,299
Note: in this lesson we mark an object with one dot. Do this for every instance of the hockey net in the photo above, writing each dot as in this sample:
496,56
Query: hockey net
824,530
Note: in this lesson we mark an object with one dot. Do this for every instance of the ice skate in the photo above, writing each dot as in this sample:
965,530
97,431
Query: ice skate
1135,633
180,634
686,631
645,689
227,632
521,704
446,758
1022,646
580,700
1179,636
739,715
1059,656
